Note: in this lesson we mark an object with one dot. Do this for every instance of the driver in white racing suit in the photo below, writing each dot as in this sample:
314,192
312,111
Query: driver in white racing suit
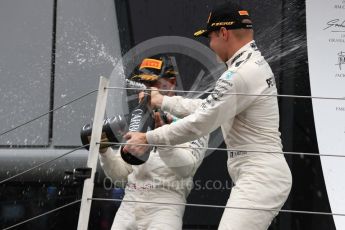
244,104
167,176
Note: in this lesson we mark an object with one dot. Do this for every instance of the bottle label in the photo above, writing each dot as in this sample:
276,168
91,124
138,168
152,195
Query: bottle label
137,116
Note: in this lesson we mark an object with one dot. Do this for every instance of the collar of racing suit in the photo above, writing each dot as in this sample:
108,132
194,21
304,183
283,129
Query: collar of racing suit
249,46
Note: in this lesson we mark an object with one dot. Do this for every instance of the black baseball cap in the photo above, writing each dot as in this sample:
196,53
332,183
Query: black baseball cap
229,15
153,68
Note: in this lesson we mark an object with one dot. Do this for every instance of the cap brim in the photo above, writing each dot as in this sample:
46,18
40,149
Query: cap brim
144,77
202,32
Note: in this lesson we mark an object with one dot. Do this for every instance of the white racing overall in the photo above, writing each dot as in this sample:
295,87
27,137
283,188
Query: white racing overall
250,125
167,176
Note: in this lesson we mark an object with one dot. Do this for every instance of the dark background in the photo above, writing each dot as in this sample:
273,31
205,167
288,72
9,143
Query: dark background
280,32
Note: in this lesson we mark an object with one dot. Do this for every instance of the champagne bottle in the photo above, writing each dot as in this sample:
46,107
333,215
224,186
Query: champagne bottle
141,120
114,127
112,131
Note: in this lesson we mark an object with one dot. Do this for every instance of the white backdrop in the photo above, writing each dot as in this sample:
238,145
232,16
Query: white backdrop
326,54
